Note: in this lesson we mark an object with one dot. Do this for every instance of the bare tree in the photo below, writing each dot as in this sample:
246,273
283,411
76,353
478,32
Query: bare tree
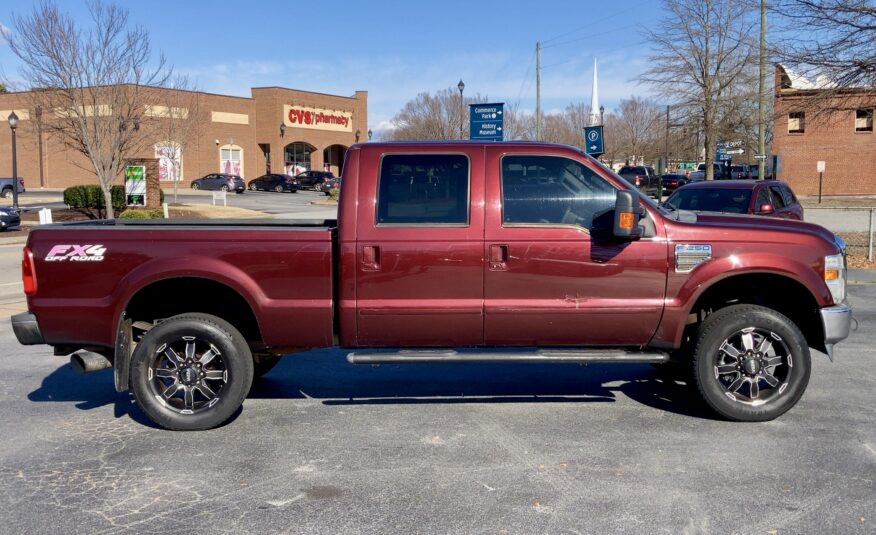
92,77
700,50
636,128
174,120
442,116
828,38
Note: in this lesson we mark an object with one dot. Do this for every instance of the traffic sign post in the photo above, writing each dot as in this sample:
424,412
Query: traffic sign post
593,141
820,168
486,121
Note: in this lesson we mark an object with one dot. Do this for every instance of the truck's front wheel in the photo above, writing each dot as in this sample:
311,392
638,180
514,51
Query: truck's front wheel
751,363
191,372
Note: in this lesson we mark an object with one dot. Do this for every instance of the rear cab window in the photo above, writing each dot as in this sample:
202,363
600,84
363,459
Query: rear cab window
423,189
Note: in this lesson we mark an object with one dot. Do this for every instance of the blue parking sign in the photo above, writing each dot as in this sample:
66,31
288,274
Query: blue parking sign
593,144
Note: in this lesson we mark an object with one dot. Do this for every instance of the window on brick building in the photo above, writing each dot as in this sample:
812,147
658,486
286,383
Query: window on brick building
864,120
796,122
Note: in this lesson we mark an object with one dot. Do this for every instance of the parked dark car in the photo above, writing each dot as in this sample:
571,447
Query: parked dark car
673,181
771,198
6,186
740,172
330,183
220,181
9,219
641,176
313,179
275,182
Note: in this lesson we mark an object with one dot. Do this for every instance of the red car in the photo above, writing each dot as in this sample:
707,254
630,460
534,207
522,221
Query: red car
768,197
443,252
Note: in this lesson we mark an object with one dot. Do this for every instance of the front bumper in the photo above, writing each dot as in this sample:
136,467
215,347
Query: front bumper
27,329
837,323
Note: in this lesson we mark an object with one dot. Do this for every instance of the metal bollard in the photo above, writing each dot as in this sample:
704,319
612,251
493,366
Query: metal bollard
870,236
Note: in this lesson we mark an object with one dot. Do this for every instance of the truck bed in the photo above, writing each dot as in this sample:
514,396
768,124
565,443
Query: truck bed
283,270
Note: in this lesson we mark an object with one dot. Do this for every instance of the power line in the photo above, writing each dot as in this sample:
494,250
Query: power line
525,76
589,26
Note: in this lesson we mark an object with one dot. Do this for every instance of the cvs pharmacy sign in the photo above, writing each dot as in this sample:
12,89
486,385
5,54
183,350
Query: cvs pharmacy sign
318,118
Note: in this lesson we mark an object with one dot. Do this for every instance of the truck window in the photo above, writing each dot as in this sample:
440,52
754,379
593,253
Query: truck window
423,189
552,190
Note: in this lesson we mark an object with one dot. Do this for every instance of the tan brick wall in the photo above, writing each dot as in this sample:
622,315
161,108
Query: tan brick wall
263,113
849,156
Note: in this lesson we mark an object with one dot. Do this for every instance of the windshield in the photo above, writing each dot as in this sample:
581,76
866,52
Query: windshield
730,201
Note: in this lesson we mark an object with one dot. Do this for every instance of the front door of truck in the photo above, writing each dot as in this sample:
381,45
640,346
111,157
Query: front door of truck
419,265
546,281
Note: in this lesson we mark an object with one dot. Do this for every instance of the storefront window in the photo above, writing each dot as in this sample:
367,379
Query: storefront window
298,157
231,160
169,155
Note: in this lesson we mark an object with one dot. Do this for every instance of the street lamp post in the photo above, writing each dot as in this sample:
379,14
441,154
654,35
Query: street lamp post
461,86
13,124
369,134
602,115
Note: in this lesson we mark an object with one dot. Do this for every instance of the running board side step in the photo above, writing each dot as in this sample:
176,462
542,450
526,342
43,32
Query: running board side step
583,356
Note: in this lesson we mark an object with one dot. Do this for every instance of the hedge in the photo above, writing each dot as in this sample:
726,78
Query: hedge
91,196
135,213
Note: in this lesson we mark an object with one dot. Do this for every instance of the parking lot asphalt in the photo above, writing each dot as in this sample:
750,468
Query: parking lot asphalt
322,446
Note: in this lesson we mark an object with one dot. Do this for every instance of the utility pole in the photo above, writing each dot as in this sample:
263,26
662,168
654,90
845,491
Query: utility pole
665,158
538,91
761,103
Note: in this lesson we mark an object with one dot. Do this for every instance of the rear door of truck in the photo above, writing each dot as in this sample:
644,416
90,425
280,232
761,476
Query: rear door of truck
420,245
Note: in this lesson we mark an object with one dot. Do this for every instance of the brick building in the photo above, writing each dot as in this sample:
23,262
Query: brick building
805,132
277,129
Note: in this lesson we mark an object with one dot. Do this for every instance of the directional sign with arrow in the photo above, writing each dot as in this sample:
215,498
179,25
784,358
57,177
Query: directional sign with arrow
593,144
486,121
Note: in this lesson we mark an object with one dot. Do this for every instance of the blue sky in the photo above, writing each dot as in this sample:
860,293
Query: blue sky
395,49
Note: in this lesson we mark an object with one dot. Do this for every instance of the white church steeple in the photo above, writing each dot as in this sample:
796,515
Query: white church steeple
595,118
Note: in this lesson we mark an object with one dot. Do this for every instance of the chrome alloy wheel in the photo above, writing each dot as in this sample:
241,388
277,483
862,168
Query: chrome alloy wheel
753,366
187,376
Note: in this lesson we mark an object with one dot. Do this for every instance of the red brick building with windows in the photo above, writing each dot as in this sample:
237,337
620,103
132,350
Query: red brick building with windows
814,122
277,129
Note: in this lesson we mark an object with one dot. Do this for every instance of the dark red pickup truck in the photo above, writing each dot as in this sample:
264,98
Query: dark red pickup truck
446,252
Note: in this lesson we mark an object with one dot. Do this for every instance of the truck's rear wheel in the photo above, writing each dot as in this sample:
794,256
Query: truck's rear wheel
191,372
751,363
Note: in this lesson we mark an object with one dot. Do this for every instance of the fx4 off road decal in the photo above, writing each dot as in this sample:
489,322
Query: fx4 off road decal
76,253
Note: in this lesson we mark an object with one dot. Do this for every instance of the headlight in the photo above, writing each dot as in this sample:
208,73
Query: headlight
835,276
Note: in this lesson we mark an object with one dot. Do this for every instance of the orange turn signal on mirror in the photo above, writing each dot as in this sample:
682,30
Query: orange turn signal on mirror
626,220
831,274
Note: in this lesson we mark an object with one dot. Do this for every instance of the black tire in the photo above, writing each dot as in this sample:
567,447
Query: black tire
262,366
278,188
716,372
253,187
6,192
223,187
195,185
230,387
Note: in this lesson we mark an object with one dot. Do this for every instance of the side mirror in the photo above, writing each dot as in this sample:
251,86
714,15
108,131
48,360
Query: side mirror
627,211
765,209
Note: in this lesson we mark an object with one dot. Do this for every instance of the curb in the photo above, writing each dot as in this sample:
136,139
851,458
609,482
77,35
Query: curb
862,276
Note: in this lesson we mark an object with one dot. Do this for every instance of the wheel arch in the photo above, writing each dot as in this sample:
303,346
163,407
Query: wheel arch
779,292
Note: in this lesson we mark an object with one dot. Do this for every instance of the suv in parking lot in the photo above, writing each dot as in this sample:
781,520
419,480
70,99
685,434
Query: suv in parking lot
758,197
